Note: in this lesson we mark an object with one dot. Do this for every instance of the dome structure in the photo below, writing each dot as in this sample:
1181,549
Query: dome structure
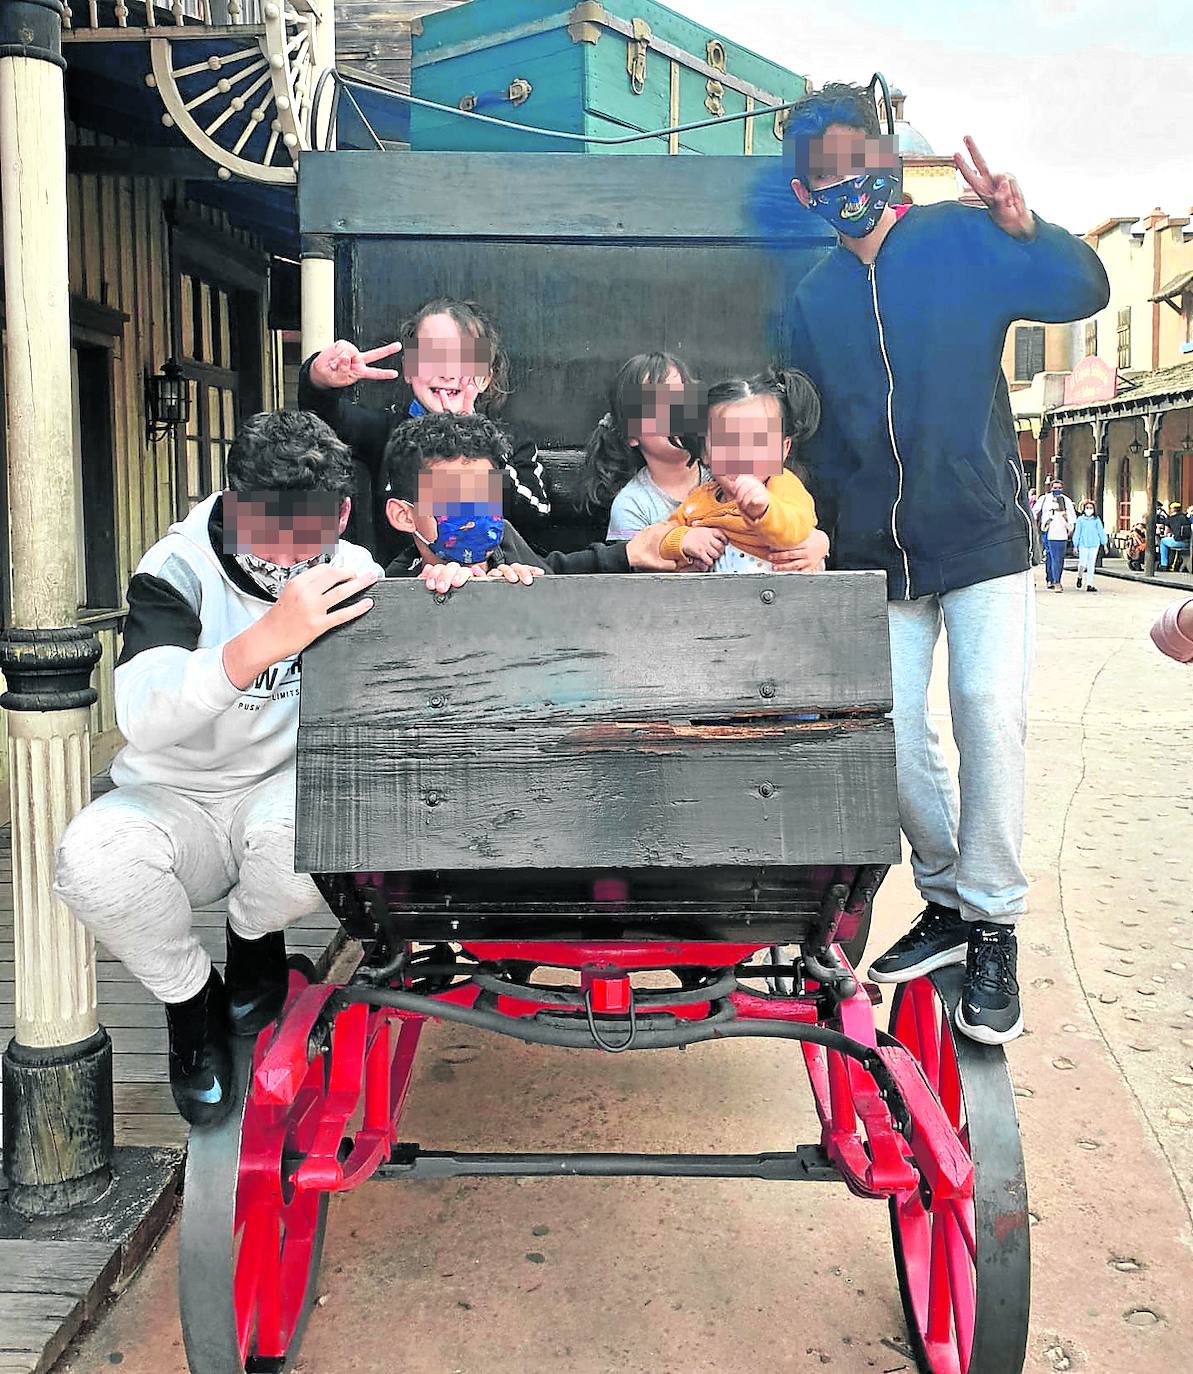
912,143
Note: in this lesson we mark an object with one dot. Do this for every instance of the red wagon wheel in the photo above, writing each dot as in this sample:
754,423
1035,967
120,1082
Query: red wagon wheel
964,1269
249,1248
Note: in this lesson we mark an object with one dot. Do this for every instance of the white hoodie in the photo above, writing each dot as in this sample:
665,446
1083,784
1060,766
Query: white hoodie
186,725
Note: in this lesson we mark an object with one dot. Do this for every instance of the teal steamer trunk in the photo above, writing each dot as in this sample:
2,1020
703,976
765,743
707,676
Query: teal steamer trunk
590,69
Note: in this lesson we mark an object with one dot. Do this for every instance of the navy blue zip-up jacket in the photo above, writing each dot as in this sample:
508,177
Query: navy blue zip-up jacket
915,468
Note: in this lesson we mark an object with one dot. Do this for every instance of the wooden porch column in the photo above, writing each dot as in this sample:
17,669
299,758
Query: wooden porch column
317,280
1152,456
1101,429
318,287
57,1070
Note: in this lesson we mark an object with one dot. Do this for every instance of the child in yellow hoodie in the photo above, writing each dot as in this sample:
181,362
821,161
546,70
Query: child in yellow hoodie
753,504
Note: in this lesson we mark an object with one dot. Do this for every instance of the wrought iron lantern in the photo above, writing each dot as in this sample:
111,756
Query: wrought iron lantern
167,401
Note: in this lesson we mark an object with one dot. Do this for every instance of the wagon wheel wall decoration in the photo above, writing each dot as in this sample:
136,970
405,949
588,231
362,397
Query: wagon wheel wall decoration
248,107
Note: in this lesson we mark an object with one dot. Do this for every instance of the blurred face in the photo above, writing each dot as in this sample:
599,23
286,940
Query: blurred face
441,360
746,437
843,152
283,527
445,485
1088,508
663,410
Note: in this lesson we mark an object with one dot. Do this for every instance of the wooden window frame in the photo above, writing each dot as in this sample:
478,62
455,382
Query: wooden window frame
1035,340
199,251
1123,337
1091,338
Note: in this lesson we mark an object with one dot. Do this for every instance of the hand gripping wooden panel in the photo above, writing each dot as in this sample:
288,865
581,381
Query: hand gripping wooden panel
602,722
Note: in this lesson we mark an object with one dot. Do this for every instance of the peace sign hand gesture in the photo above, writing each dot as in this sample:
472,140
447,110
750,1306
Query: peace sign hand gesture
342,364
999,192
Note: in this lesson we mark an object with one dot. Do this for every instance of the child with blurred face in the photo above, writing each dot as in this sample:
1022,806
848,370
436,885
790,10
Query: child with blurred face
635,465
453,362
753,504
444,490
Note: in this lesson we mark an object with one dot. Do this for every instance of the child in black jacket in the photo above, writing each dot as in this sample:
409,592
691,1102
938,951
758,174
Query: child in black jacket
453,362
444,493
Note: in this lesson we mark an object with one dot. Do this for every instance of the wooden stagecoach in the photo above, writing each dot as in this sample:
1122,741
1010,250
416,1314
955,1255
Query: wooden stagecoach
608,813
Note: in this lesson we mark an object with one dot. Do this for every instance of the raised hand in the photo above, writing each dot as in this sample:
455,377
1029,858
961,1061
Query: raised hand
1000,193
309,606
343,364
749,492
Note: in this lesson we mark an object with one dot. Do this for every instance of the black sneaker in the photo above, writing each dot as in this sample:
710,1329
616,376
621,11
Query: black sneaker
200,1065
1078,581
939,937
989,1009
257,979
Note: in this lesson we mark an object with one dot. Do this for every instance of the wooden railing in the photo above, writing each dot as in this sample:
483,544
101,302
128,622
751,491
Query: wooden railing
163,14
248,94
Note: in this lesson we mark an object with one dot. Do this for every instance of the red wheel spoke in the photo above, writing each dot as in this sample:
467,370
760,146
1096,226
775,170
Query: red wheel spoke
940,1306
250,1264
905,1022
962,1280
949,1077
269,1312
963,1217
929,1029
301,1223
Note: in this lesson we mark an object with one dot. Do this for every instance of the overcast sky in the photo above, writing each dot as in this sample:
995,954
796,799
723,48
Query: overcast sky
1087,102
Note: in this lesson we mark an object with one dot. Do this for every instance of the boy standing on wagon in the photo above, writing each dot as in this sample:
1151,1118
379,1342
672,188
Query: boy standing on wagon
916,471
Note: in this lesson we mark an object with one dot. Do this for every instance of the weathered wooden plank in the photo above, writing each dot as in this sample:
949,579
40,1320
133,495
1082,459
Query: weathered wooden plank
605,648
52,1266
33,1324
542,196
160,1129
553,797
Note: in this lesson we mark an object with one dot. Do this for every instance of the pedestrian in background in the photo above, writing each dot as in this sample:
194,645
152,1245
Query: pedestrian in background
1176,534
1089,538
1057,519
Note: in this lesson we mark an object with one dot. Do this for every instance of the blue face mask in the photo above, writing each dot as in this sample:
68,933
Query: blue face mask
854,207
469,531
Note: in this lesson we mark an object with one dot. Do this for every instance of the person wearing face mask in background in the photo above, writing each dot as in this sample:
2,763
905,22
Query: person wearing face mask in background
207,683
1089,539
1056,517
915,471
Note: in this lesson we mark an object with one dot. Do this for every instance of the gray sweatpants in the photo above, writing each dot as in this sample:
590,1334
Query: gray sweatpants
134,864
967,836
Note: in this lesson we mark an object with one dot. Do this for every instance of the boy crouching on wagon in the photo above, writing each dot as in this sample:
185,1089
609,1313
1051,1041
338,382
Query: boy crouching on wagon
219,612
443,488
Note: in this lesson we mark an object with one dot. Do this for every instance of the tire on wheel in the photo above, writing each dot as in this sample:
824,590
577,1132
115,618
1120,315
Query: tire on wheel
964,1272
249,1246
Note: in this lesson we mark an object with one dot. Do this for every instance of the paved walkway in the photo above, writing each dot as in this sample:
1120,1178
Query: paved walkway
697,1277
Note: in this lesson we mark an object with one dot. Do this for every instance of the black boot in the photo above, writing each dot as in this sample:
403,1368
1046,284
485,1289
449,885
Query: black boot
257,979
200,1065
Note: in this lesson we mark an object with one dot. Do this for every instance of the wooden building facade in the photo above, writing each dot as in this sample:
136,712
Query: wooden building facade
153,275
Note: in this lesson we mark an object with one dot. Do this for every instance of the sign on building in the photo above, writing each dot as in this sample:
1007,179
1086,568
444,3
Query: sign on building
1090,381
